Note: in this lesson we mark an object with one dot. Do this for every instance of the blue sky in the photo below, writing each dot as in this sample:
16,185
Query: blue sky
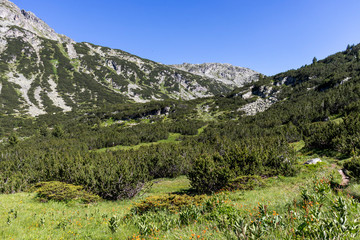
269,36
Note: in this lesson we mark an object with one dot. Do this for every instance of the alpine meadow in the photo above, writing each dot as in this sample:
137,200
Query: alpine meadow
98,143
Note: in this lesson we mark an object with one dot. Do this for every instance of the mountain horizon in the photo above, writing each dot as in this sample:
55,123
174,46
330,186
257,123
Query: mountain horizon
59,74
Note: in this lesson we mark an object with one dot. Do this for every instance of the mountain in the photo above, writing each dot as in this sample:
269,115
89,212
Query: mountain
226,73
45,72
242,147
321,90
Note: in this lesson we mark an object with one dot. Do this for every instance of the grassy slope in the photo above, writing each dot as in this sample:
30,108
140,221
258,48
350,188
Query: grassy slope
52,220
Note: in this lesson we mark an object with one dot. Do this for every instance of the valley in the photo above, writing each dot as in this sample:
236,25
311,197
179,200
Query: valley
97,143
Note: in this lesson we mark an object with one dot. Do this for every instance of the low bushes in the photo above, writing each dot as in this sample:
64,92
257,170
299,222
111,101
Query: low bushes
353,168
211,173
63,192
111,175
171,202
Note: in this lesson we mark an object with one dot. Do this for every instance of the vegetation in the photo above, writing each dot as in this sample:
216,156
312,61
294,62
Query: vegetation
58,191
296,207
122,152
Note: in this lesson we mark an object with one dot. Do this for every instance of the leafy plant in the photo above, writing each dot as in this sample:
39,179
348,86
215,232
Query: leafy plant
114,223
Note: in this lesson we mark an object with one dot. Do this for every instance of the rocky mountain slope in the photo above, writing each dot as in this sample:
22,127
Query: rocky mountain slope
223,72
44,72
329,85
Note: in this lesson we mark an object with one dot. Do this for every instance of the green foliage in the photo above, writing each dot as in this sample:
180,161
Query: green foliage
316,213
261,157
13,140
170,202
58,132
343,136
114,224
353,167
63,192
231,146
209,174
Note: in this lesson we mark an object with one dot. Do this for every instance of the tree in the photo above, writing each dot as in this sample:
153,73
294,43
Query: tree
314,60
44,131
58,131
13,140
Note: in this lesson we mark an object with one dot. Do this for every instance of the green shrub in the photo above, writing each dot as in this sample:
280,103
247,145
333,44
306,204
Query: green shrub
171,202
209,174
353,167
63,192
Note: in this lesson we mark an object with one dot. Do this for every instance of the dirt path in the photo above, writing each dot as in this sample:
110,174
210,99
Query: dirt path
345,179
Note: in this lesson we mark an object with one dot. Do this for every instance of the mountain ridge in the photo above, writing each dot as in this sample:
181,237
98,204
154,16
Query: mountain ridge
45,72
225,72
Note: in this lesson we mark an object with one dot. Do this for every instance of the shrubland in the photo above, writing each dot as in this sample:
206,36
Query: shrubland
223,153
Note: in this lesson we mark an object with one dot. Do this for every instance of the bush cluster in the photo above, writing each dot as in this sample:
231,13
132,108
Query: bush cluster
353,168
63,192
211,173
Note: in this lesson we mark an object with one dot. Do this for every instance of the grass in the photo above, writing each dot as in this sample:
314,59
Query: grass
54,65
53,220
338,120
166,185
171,139
108,122
200,130
203,114
35,220
23,217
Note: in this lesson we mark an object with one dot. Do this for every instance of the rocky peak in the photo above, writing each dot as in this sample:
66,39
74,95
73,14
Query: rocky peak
48,72
11,15
223,72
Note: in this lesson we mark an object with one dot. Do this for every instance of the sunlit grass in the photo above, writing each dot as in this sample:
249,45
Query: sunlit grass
173,138
52,220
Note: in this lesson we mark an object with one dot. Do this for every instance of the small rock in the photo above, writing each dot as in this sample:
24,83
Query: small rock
313,161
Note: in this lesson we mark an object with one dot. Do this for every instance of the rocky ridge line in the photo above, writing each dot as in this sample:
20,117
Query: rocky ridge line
222,72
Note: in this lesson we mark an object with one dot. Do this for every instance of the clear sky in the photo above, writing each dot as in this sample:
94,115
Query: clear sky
269,36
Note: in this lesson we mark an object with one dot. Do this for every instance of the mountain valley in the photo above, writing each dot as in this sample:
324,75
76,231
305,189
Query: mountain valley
97,143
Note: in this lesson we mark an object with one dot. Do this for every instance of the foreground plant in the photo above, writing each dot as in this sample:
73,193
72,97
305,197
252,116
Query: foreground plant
317,213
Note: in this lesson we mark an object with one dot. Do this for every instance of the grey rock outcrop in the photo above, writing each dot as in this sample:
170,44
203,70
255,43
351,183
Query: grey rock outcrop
260,105
225,73
285,81
11,15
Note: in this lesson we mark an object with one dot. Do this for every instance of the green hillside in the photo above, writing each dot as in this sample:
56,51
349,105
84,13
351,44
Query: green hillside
44,78
97,143
203,146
